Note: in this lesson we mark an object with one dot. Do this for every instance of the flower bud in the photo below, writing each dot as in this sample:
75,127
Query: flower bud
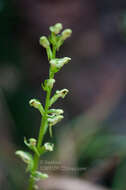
56,28
59,63
53,63
56,111
50,83
32,145
55,120
63,61
49,146
58,94
44,42
36,104
62,93
66,34
32,142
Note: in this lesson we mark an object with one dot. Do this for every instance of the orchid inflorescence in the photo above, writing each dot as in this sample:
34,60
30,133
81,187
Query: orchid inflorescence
49,116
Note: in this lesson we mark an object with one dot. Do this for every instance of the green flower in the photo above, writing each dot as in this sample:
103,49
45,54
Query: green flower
56,28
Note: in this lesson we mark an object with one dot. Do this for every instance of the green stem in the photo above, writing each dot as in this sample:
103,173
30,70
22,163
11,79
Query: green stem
54,52
41,131
31,180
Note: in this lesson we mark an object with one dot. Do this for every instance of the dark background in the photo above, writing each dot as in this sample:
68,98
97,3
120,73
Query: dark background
94,128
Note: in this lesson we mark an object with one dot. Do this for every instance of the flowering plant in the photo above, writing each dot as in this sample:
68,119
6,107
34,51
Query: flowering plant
49,116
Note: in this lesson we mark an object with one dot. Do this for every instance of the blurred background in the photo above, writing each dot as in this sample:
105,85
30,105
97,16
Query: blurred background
90,143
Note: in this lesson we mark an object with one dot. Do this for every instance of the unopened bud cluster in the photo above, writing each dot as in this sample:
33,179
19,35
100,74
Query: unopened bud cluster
56,39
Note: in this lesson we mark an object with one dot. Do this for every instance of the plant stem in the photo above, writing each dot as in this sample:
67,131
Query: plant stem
54,52
42,130
31,180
